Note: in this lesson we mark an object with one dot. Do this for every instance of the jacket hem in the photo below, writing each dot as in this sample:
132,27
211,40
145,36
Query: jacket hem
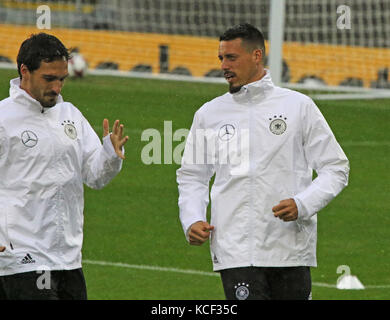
275,264
28,268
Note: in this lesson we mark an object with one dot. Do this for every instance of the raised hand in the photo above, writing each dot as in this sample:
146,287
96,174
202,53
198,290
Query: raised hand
117,139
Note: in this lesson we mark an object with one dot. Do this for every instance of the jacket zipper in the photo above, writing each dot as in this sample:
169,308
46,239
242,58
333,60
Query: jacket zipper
251,184
58,200
7,237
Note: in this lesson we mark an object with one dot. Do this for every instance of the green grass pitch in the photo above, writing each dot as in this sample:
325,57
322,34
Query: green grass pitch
134,220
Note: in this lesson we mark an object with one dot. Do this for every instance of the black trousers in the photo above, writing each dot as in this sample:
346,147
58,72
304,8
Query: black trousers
45,285
267,283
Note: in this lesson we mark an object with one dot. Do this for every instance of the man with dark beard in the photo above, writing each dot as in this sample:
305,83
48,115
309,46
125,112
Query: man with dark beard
48,150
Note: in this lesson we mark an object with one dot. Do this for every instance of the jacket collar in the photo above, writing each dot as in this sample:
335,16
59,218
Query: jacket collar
21,96
257,89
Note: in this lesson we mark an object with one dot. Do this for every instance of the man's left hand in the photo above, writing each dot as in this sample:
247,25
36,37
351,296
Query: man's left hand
286,210
117,139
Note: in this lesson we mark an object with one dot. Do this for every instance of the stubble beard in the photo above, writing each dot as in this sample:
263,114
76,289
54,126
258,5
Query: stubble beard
234,89
50,102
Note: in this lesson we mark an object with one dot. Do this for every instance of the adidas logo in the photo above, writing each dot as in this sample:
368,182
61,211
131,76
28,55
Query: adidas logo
27,259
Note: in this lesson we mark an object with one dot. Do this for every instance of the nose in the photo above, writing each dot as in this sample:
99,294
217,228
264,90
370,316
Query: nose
224,65
57,87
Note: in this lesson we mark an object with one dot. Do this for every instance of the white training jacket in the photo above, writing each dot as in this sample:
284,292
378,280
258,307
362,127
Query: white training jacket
46,154
274,138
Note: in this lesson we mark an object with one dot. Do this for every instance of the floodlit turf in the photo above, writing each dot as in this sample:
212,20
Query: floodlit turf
134,220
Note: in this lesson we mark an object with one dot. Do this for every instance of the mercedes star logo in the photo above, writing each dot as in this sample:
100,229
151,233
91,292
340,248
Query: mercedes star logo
226,132
29,138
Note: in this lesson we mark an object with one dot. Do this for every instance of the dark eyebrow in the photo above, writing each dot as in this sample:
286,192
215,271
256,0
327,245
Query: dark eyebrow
52,78
228,55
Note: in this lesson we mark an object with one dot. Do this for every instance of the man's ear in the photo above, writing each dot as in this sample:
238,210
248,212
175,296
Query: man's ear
24,71
258,55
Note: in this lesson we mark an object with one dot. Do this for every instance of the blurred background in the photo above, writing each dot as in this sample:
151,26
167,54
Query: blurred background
324,42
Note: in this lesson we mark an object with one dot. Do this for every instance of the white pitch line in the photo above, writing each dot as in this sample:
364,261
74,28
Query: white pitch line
365,143
152,268
325,285
198,272
380,286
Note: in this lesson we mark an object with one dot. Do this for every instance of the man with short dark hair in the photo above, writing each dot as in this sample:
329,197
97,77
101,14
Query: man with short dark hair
251,40
47,151
262,142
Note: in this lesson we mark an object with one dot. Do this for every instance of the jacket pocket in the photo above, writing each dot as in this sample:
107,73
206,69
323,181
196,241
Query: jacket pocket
4,237
305,234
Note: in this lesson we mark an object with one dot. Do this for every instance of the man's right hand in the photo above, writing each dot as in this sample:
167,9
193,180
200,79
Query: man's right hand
2,249
199,233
